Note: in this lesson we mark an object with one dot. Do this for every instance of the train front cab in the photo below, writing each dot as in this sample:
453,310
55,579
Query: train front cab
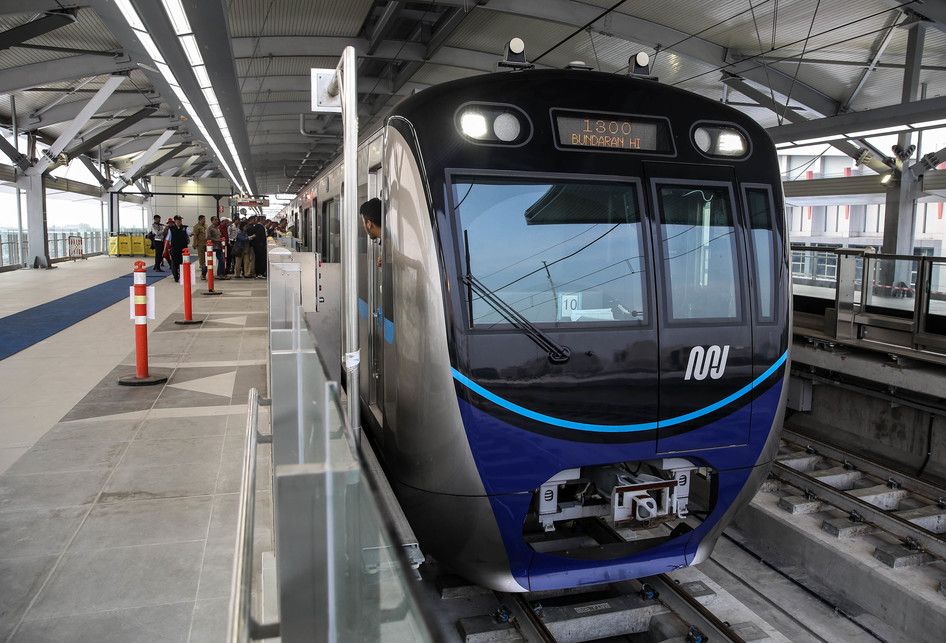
675,321
718,417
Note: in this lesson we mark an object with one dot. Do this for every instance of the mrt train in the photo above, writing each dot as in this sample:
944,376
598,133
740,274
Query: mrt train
575,324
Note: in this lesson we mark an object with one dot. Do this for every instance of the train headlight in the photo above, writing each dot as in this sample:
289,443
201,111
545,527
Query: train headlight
702,139
730,144
473,124
506,127
493,124
720,140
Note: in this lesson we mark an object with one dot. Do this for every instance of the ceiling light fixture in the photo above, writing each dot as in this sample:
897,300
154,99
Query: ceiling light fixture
179,20
175,12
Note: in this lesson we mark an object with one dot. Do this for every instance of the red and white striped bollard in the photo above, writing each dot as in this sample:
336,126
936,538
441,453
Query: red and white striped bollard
186,281
210,270
142,376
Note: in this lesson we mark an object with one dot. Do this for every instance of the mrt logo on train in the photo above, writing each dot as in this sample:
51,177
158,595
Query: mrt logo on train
707,361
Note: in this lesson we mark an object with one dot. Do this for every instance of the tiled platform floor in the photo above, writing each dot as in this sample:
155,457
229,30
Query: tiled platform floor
119,523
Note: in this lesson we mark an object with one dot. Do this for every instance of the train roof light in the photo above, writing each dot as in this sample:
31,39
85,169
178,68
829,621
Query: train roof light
639,65
515,55
473,124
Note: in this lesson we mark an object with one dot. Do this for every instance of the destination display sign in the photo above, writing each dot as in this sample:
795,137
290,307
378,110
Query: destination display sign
612,132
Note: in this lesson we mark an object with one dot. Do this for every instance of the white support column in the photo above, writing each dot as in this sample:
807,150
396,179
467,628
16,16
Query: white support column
72,129
346,73
33,186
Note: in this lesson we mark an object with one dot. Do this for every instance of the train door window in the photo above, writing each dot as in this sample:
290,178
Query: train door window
698,248
761,224
375,300
332,233
557,252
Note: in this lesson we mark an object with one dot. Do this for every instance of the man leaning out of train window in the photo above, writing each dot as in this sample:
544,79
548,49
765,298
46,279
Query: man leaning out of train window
371,218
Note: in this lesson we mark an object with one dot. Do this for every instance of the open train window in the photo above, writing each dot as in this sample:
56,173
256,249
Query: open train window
762,226
698,248
557,252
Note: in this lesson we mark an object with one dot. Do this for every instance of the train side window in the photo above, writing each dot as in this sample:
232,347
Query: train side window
761,222
698,248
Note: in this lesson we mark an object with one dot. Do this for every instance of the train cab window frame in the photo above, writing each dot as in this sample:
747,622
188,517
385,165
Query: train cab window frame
761,304
666,269
456,191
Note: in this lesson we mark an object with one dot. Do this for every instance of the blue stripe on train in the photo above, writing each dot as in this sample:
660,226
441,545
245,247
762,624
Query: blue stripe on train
617,428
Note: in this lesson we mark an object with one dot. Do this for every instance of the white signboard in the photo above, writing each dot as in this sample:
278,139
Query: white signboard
568,304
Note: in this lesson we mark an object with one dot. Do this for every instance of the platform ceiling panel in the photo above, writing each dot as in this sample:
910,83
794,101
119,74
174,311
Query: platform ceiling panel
484,30
283,65
297,17
87,32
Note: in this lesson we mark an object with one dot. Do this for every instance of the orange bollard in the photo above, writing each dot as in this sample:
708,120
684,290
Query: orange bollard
141,377
186,281
210,270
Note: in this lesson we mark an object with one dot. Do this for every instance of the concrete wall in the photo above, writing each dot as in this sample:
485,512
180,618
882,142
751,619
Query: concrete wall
891,434
188,206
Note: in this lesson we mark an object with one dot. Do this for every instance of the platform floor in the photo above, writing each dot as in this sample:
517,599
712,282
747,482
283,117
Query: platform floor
118,507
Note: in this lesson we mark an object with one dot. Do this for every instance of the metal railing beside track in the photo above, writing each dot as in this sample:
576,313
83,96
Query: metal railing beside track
241,625
891,302
340,574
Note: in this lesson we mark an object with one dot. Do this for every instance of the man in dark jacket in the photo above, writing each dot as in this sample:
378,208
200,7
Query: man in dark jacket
257,235
179,241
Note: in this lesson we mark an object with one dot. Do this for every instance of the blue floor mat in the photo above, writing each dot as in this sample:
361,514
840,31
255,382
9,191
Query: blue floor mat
27,327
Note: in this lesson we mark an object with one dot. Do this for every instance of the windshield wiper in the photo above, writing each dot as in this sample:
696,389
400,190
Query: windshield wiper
558,353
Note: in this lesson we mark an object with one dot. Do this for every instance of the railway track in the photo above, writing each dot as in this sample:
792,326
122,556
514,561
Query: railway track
619,611
872,496
623,609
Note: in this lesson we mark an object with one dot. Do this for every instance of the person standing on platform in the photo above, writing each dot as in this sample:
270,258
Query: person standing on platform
257,236
243,253
157,242
213,235
178,241
224,226
232,233
199,244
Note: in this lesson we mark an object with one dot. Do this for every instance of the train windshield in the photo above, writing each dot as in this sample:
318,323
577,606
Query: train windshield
558,253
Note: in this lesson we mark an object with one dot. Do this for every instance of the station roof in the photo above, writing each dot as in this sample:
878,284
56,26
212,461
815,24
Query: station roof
803,68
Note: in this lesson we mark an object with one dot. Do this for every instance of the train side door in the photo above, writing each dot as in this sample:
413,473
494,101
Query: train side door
704,329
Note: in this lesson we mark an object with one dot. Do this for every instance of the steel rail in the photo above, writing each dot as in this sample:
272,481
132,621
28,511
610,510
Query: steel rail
681,603
690,610
885,520
530,626
914,485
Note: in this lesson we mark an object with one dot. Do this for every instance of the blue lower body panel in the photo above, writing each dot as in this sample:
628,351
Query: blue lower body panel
514,462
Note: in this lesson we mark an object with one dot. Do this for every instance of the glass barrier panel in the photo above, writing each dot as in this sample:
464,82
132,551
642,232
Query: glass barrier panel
371,599
936,306
892,286
814,273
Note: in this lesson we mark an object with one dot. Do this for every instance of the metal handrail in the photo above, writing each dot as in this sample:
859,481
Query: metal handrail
241,626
